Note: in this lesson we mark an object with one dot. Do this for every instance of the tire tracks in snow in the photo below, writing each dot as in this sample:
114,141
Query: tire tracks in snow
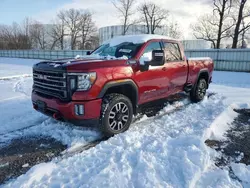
68,153
38,122
15,77
71,151
19,87
137,120
175,109
11,98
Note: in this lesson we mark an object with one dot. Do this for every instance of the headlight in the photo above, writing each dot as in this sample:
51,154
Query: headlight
82,81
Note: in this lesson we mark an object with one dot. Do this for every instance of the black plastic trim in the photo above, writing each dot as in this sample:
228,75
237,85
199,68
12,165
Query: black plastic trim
85,122
119,83
46,66
198,77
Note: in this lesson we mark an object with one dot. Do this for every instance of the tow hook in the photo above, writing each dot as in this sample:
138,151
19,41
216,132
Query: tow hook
56,116
35,106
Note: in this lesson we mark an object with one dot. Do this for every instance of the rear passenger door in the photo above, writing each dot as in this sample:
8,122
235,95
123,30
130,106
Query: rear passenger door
176,66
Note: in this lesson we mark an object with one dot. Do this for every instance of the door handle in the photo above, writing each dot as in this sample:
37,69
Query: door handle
164,68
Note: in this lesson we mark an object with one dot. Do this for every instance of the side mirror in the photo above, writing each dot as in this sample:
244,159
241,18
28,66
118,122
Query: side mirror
158,58
88,52
154,58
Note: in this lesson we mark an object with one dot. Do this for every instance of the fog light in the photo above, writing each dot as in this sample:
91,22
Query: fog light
79,109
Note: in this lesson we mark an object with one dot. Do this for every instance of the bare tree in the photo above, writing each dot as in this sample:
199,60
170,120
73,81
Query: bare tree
25,25
57,34
174,30
125,8
93,42
205,30
13,37
215,27
87,28
246,38
244,34
38,35
76,24
222,7
72,20
153,16
242,13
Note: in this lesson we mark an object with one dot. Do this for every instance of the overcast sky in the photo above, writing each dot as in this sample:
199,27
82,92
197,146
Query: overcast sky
183,11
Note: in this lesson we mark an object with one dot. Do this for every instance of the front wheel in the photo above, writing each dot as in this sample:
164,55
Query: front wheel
117,114
199,91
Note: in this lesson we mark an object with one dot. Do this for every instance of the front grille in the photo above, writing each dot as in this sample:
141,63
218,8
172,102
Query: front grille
51,84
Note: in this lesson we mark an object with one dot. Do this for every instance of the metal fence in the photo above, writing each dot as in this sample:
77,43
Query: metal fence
224,59
42,54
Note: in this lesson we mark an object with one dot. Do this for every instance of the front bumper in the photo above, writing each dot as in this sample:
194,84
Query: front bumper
66,110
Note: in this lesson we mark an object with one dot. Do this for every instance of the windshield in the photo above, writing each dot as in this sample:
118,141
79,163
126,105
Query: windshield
126,49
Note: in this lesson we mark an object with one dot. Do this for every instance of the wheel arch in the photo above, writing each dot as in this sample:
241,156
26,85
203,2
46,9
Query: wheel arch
203,74
126,87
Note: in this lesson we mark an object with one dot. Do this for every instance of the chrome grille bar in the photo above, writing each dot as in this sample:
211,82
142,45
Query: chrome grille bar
49,77
46,87
55,84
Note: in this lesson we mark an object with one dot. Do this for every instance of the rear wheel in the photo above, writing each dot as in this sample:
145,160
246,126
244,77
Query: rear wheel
199,91
117,114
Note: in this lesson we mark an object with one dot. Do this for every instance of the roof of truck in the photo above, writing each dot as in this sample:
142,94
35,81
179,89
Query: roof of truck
136,39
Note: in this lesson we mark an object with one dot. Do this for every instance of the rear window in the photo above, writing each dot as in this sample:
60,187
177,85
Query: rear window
172,51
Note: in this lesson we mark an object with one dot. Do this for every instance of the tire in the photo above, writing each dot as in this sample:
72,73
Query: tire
198,93
116,115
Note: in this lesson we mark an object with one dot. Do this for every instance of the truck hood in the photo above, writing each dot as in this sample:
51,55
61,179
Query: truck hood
78,65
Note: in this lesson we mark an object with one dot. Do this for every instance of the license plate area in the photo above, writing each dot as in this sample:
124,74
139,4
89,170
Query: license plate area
41,105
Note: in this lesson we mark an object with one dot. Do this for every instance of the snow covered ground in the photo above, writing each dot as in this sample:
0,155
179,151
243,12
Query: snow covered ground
15,67
167,151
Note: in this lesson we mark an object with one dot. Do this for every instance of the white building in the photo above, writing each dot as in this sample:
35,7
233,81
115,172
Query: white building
196,44
106,33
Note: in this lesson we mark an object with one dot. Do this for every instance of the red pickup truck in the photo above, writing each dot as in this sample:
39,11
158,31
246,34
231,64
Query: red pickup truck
110,85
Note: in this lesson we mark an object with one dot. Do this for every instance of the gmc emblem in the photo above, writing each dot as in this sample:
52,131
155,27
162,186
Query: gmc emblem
42,77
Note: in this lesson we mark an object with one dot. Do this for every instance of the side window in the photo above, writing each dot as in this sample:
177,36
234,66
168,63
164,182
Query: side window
152,46
147,53
172,51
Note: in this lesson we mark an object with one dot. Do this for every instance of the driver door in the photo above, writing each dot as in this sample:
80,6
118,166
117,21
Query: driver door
153,83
